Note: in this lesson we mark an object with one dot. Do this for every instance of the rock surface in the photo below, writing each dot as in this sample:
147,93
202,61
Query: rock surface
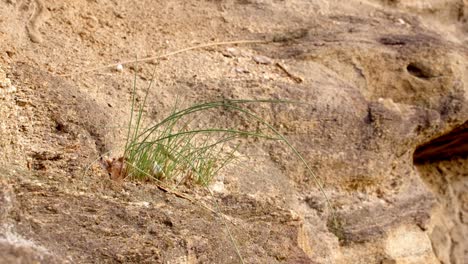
385,86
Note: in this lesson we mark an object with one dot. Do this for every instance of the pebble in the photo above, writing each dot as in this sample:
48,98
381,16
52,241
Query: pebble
361,195
144,204
218,187
5,84
294,215
262,59
241,70
11,89
119,67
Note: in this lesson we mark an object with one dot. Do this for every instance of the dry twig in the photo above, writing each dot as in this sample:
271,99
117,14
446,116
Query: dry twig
114,65
289,74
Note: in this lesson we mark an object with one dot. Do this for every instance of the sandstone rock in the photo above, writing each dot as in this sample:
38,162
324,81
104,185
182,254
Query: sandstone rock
379,114
409,245
5,84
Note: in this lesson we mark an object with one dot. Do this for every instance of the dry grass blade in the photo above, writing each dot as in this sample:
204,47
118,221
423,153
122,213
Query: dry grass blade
202,46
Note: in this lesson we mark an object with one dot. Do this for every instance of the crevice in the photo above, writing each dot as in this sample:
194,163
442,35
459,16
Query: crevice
419,71
451,145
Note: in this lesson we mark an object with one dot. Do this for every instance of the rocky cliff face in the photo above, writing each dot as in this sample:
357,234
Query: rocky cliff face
384,127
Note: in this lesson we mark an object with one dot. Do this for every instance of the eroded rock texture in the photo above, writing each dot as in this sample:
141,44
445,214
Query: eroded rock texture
384,86
448,179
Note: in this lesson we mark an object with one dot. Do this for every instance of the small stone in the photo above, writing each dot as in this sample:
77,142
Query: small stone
120,257
294,215
218,187
241,70
119,67
361,196
157,170
11,89
262,59
5,83
142,204
232,52
52,209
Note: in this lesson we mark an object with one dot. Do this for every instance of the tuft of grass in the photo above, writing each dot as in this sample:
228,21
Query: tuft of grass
176,150
173,149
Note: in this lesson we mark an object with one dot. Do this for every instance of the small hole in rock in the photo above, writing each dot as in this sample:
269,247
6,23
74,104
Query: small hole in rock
418,71
61,127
